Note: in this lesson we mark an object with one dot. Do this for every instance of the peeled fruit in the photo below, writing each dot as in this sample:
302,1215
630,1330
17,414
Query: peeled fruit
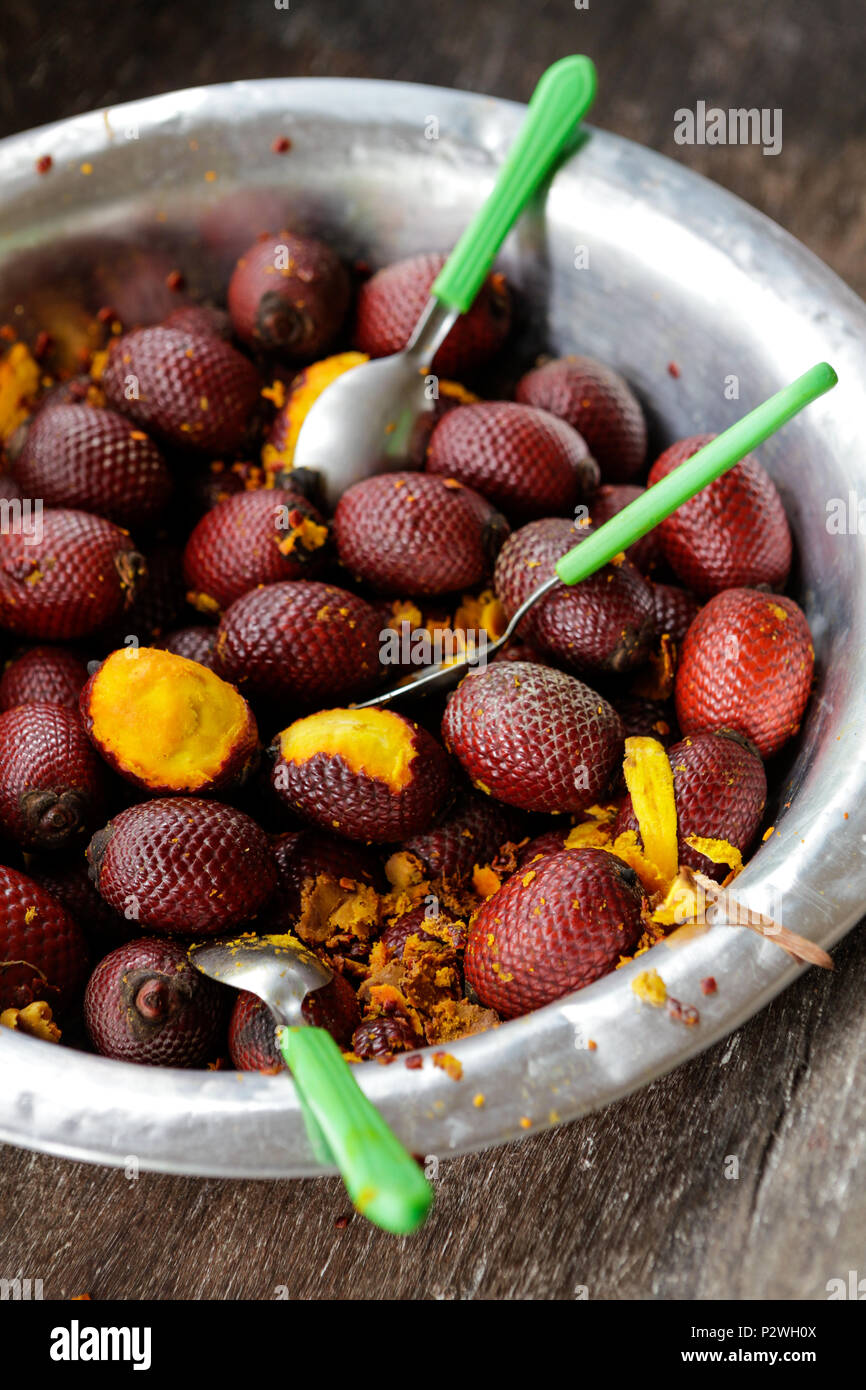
49,675
471,833
599,404
289,294
366,774
41,945
252,1030
168,724
52,785
533,737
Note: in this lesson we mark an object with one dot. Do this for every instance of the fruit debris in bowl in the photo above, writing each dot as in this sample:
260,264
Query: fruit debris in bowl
186,633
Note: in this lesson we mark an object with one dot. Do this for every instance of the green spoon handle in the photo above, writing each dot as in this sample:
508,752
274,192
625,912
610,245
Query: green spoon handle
383,1180
702,468
564,94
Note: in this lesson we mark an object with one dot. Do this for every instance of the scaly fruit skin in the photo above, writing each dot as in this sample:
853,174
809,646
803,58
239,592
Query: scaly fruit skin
410,533
533,737
261,537
746,664
47,675
733,534
526,462
391,301
289,294
720,790
183,865
77,456
382,1037
252,1028
603,625
555,928
159,602
52,784
599,404
145,1003
196,643
471,833
609,501
369,775
36,929
303,855
65,877
674,609
193,391
300,642
200,319
81,575
644,718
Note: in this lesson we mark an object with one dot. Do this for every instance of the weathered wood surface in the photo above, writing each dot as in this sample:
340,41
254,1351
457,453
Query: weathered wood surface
635,1202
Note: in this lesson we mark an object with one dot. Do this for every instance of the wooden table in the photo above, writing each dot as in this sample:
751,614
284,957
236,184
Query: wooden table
636,1202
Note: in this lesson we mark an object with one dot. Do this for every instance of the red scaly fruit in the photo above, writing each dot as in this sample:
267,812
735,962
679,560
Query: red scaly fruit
555,928
382,1037
720,790
391,301
675,610
289,294
396,935
180,864
254,538
746,664
65,877
526,462
49,675
550,842
303,858
210,483
145,1003
645,718
733,534
471,833
191,390
196,643
200,319
77,456
533,737
599,404
604,624
159,602
52,784
409,533
252,1029
300,642
609,501
35,929
82,574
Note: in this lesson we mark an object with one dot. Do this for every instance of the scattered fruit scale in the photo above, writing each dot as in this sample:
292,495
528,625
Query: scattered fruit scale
185,632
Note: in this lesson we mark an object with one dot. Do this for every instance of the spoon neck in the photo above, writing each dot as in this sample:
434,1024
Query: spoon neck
430,332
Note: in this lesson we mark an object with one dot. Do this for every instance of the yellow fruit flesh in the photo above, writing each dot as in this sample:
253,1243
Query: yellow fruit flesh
375,742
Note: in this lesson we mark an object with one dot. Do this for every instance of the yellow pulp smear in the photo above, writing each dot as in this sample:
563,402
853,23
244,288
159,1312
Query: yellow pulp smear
375,742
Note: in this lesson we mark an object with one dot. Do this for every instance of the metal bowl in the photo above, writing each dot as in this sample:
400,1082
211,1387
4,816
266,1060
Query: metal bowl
679,271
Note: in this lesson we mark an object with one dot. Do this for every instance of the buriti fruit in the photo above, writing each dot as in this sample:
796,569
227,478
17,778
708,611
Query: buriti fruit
192,390
533,737
159,602
200,318
471,833
324,885
733,533
391,301
36,930
604,624
301,642
196,643
674,610
65,877
51,675
80,575
609,501
599,404
279,451
410,533
555,928
52,785
145,1003
252,1030
525,461
183,865
367,774
382,1037
289,295
746,664
168,724
77,456
254,538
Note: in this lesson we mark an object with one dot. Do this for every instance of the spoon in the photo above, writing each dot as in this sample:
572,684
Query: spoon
365,421
640,516
383,1180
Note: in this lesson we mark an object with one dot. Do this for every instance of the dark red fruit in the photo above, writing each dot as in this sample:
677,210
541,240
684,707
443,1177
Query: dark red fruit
196,643
65,877
289,294
555,928
317,876
734,533
674,610
471,833
302,642
397,933
77,456
525,461
36,930
391,301
409,533
145,1003
159,602
252,1029
52,784
382,1037
50,675
81,575
643,718
191,390
604,624
254,538
609,501
599,404
181,864
200,319
746,664
533,737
